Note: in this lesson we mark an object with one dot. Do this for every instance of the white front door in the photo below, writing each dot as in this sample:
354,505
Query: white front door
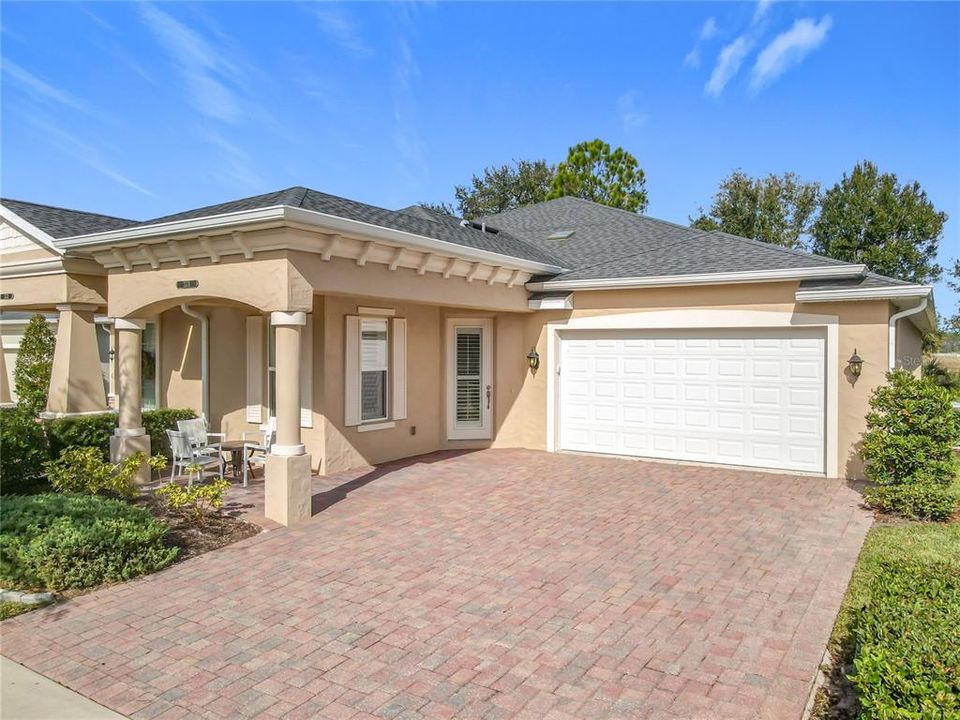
740,397
469,379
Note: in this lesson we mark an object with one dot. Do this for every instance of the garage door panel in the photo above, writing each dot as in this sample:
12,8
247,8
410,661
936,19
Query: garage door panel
744,397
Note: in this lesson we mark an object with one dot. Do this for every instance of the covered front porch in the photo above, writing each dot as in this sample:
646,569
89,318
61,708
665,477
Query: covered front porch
356,351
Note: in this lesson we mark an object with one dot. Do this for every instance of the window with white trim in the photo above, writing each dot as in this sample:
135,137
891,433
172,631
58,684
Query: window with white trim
150,366
374,365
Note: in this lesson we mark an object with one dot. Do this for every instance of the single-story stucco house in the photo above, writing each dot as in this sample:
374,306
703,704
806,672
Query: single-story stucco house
372,334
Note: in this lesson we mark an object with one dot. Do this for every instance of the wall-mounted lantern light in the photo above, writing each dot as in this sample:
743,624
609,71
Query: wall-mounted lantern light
856,364
533,359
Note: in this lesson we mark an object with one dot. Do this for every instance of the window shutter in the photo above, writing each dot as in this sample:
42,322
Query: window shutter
254,369
399,368
351,371
306,373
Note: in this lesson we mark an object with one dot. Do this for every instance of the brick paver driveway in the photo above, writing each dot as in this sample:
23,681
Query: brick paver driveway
495,584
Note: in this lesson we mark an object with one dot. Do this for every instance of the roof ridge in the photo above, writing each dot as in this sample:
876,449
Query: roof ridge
66,209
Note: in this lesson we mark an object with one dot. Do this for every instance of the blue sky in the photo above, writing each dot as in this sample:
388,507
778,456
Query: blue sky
144,109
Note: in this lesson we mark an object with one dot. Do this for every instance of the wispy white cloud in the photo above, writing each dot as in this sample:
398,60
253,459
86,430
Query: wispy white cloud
761,9
789,49
88,154
44,91
336,25
407,140
209,75
631,117
707,31
728,65
235,164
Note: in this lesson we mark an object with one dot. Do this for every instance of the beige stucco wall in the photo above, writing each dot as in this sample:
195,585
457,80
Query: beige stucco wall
45,292
909,352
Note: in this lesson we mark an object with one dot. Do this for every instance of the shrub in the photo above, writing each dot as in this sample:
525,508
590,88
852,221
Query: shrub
96,430
944,377
23,449
31,373
60,542
911,431
197,500
83,470
916,500
908,642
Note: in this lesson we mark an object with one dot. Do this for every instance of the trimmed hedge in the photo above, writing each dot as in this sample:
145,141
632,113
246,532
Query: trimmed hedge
58,542
908,642
95,430
23,450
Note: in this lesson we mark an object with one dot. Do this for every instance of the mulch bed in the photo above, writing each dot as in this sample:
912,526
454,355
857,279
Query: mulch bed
217,530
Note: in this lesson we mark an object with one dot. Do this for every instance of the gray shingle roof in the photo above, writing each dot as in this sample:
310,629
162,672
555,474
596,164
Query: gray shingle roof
439,227
60,222
869,280
611,243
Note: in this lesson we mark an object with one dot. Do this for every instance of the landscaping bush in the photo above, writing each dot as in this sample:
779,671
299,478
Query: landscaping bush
922,500
908,642
31,373
58,542
911,431
23,449
197,500
96,430
83,470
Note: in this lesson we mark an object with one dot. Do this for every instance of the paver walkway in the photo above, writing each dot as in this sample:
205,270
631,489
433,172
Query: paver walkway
495,584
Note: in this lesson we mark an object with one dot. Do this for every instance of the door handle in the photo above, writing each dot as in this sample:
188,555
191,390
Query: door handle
488,397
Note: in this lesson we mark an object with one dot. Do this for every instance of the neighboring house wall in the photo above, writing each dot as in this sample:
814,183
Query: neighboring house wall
909,346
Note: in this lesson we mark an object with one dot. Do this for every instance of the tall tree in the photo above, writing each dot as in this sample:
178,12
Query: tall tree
595,172
868,217
31,373
777,209
504,188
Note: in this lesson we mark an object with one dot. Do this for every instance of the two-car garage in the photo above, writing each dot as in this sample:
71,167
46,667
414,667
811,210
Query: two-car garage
741,396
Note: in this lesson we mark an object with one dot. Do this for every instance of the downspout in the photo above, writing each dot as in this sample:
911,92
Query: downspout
204,357
892,357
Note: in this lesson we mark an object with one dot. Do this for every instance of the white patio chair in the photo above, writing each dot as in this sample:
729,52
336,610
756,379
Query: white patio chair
200,439
266,432
185,455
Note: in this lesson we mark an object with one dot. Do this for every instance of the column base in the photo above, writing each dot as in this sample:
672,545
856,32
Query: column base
123,446
287,491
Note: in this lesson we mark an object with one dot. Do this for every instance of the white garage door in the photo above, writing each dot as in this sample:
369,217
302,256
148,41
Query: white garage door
740,397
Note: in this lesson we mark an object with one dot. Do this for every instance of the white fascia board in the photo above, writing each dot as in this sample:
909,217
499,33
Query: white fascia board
747,276
554,303
318,220
874,293
30,230
333,223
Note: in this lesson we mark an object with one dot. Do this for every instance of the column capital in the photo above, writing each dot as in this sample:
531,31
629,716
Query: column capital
298,318
129,324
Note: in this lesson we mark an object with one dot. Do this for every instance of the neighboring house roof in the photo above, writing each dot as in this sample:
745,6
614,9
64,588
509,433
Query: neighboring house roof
60,222
437,226
612,243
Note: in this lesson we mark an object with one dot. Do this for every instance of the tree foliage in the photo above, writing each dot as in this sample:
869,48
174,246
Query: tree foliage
502,188
31,374
869,217
594,171
777,209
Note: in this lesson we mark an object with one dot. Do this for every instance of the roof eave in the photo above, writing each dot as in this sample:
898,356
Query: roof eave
30,229
285,213
892,292
725,278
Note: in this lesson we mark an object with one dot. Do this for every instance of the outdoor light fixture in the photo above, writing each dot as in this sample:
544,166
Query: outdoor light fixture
856,364
533,359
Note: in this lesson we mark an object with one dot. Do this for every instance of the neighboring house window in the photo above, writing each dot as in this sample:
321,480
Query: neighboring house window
149,358
374,364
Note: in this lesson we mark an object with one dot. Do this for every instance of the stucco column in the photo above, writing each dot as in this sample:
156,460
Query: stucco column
130,436
5,397
287,476
76,383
